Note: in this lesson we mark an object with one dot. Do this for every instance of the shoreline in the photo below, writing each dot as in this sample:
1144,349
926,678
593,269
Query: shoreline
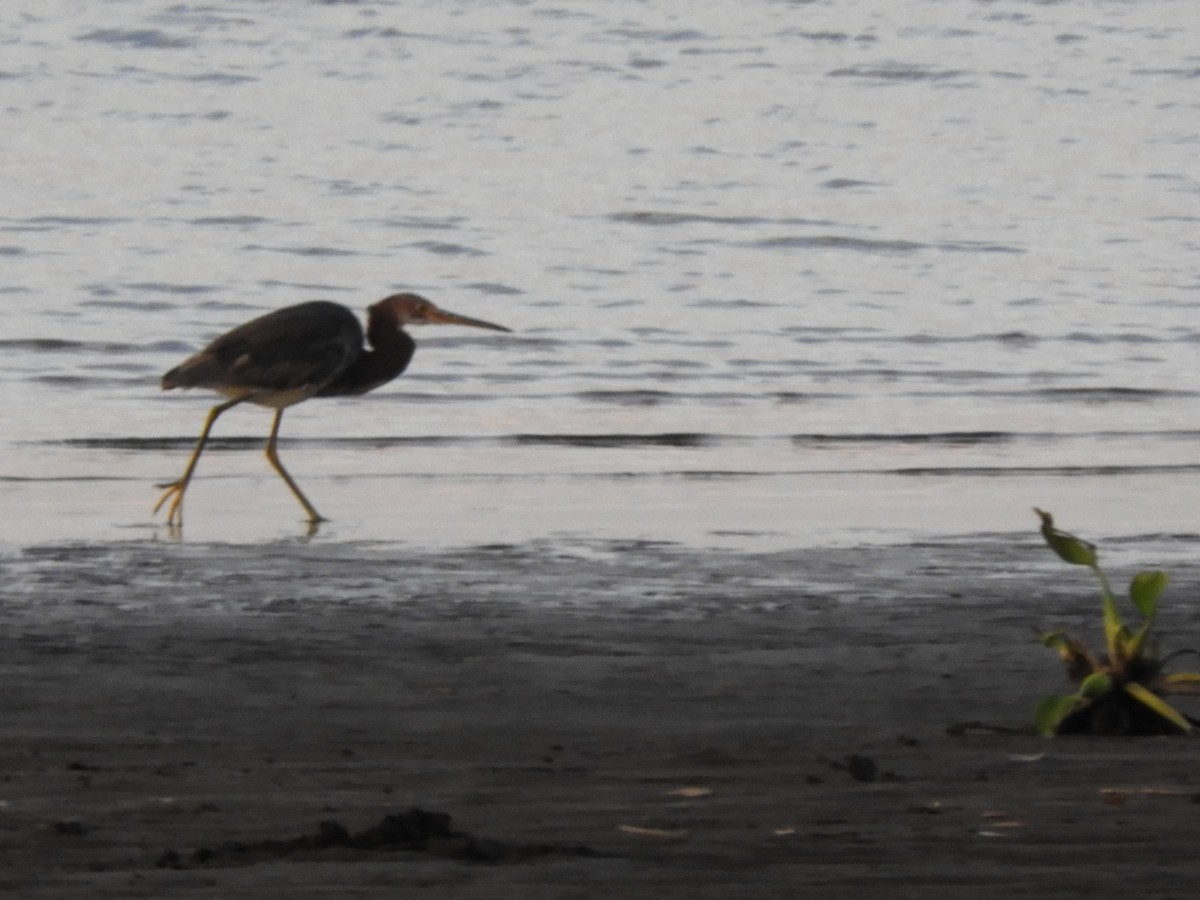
701,722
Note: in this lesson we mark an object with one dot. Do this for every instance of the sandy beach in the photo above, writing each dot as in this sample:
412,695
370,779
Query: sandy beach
594,719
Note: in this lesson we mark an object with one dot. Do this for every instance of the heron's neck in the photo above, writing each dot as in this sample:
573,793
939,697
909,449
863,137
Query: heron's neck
391,350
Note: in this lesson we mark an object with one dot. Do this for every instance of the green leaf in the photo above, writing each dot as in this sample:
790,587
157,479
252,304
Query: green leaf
1059,640
1145,589
1152,701
1180,683
1115,633
1182,678
1068,547
1095,685
1136,644
1051,710
1074,653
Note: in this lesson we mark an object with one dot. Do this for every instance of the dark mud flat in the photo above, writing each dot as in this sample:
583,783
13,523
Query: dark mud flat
570,721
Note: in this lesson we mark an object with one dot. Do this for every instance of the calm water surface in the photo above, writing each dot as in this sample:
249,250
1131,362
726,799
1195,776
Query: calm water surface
780,273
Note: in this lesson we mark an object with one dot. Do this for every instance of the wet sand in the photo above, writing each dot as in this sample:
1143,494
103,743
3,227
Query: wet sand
596,719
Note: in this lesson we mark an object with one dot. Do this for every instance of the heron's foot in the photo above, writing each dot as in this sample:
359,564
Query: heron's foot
174,493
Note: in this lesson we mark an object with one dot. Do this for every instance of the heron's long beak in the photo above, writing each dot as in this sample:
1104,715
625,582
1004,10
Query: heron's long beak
441,317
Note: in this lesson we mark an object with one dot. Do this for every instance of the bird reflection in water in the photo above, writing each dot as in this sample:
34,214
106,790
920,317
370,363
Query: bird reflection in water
284,357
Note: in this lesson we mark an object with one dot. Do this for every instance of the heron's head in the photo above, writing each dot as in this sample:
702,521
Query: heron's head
412,309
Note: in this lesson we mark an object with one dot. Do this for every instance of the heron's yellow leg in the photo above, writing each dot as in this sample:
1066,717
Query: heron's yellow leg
273,458
175,489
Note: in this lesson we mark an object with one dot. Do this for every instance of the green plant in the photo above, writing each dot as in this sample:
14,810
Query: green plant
1120,691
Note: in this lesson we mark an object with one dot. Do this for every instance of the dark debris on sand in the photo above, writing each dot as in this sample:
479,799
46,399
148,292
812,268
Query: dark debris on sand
414,831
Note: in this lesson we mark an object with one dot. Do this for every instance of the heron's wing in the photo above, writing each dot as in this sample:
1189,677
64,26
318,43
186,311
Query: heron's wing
297,349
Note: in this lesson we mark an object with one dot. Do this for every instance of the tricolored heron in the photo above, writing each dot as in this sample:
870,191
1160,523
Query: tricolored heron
309,350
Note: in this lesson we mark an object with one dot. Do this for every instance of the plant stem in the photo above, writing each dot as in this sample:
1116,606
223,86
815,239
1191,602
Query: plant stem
1104,585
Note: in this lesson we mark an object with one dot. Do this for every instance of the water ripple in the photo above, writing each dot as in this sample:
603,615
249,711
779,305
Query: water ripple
141,39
